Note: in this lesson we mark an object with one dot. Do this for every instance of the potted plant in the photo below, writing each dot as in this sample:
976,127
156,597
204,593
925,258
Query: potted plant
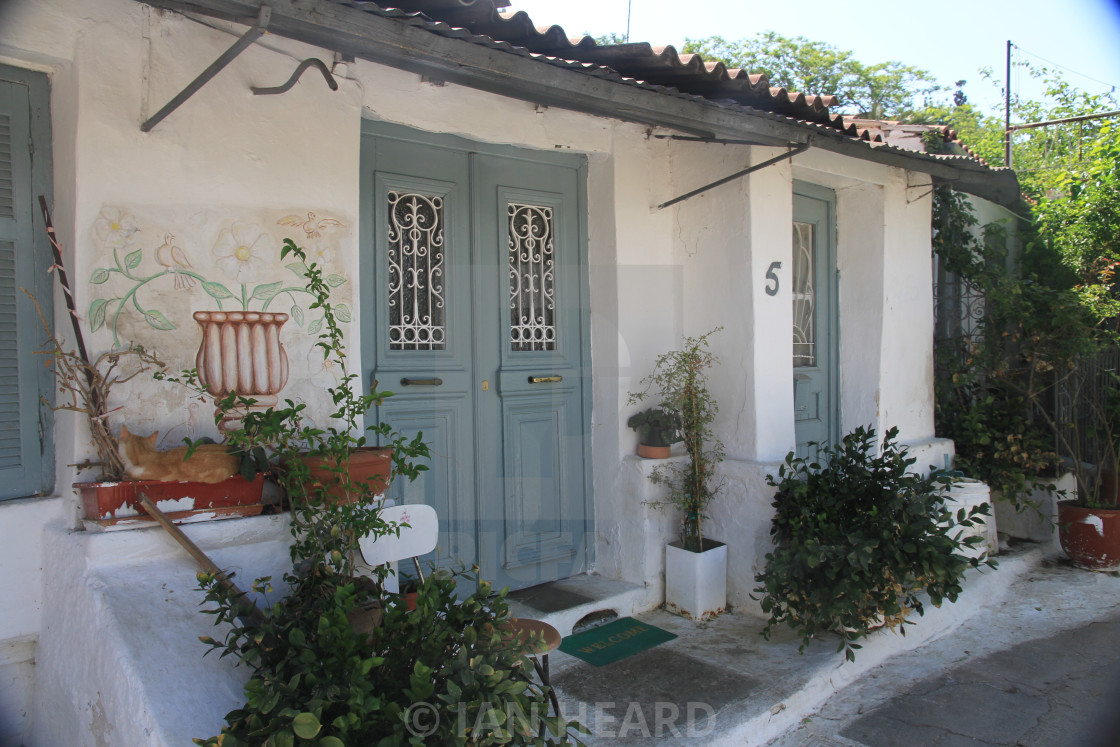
316,673
658,429
695,565
1089,525
859,538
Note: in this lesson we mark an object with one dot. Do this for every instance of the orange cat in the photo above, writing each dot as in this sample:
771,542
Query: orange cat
208,463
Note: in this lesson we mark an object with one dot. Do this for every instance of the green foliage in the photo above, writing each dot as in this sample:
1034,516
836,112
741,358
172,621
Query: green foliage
440,674
858,538
656,427
331,665
1042,157
284,436
679,377
612,38
877,90
978,399
1080,221
1036,343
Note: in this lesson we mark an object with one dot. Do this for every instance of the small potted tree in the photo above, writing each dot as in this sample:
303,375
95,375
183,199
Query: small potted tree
695,565
658,429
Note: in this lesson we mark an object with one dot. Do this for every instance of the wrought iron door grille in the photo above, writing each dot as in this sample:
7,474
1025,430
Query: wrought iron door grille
532,291
417,313
804,297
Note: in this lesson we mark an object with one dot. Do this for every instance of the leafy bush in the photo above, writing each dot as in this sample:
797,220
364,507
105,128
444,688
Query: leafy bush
440,674
858,537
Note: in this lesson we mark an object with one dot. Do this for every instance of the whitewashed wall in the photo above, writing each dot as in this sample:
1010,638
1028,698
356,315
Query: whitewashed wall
227,155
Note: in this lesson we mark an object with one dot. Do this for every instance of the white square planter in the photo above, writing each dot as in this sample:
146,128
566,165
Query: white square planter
696,582
1037,522
967,493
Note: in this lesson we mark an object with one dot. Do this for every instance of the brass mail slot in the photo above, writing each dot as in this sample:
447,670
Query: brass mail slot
544,379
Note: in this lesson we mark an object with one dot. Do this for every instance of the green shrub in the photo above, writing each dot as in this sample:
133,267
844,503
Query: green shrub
439,674
858,539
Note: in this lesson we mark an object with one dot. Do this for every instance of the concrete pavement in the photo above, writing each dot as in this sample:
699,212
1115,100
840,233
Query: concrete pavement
1040,669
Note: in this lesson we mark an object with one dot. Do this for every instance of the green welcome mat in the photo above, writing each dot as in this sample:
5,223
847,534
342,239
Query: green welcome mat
614,641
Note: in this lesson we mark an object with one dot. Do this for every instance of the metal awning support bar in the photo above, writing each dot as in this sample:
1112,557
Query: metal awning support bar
250,36
322,68
794,150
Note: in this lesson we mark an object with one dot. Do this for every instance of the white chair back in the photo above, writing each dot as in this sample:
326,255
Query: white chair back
418,538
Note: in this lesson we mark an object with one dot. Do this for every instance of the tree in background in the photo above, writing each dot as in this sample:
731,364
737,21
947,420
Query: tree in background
1043,157
1079,220
885,89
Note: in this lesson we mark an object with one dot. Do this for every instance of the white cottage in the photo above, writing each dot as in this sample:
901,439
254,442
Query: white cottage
429,147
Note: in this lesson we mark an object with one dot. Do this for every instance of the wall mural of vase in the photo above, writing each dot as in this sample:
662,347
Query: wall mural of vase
153,267
241,352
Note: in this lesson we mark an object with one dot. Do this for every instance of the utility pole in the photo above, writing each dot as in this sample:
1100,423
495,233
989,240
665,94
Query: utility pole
1007,112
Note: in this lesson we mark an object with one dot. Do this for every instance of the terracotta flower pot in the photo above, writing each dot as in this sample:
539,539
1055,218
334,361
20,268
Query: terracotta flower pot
368,468
653,452
1090,536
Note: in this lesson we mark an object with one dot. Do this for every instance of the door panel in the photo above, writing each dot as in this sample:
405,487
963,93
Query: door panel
815,379
422,340
529,240
485,348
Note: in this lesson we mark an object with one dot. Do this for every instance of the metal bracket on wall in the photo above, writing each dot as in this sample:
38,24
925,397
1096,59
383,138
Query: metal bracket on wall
309,62
250,36
794,149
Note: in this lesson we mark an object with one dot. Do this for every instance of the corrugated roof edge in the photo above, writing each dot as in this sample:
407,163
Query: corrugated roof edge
482,23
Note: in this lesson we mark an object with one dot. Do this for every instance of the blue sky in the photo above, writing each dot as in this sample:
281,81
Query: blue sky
952,41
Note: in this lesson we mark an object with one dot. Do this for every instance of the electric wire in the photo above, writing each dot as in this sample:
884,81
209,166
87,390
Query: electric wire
1063,67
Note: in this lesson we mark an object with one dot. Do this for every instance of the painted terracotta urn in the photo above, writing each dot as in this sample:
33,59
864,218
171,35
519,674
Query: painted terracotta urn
241,352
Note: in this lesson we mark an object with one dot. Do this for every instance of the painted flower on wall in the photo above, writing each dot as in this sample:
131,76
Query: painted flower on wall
115,228
323,370
243,251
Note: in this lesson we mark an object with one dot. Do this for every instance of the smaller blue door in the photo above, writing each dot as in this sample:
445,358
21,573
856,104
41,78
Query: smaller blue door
815,378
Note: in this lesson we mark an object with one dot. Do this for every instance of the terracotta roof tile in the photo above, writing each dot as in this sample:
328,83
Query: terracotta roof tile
909,136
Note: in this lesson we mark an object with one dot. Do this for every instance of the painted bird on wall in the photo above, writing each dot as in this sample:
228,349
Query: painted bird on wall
312,225
173,258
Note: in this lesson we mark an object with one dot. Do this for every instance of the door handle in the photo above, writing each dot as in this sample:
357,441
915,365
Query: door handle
421,382
544,379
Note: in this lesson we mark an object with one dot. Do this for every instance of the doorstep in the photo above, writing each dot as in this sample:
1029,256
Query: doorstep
720,682
581,602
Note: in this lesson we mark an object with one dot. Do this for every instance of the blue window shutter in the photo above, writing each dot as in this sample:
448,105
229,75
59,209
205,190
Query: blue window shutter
26,455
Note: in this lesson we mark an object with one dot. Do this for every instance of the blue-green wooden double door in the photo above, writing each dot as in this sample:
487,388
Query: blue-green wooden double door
475,315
